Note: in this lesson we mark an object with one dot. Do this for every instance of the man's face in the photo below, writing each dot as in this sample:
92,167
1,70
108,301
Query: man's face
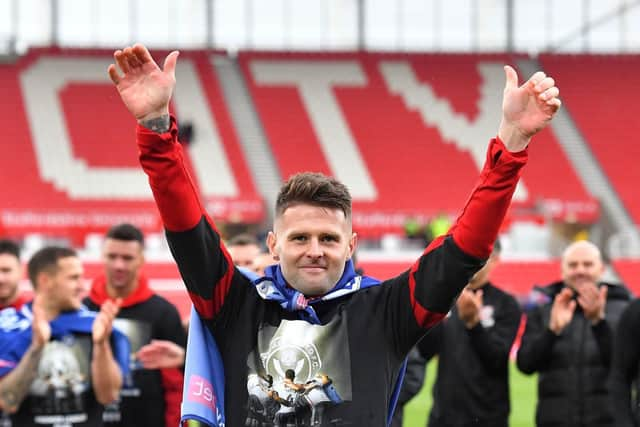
65,285
244,255
10,275
581,264
261,262
312,245
122,261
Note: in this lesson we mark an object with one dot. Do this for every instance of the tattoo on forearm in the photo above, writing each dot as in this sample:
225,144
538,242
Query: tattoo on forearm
15,385
159,124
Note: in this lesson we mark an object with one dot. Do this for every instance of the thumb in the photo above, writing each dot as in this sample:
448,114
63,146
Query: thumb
511,78
170,63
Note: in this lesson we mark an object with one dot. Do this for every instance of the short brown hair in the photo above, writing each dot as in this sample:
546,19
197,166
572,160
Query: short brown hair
126,232
314,189
243,239
46,259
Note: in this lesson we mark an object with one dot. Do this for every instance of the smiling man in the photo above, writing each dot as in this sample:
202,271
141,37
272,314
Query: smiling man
568,341
311,313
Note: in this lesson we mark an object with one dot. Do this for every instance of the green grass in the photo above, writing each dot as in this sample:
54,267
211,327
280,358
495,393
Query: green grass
523,399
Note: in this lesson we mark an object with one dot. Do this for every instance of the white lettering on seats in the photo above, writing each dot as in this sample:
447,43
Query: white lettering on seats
57,164
314,81
438,112
207,149
54,153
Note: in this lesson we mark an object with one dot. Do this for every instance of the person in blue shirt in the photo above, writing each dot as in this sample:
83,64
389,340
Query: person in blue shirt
57,366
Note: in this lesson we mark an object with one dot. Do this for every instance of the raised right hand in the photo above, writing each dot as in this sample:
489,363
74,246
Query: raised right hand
562,311
41,330
144,88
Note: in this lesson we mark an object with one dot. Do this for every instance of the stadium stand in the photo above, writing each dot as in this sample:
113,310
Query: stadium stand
629,272
599,112
73,164
408,117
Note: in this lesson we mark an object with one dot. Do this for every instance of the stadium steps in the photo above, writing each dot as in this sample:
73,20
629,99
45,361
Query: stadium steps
250,132
583,160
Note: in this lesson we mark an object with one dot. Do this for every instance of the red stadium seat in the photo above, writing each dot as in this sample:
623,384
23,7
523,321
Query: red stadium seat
629,271
596,91
70,165
415,159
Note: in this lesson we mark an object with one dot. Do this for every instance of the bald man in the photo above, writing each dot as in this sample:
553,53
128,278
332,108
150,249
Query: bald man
568,340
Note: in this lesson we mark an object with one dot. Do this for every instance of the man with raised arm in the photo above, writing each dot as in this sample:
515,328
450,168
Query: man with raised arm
311,312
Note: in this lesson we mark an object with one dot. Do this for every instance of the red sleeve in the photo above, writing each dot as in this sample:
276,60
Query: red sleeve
446,266
204,263
477,227
162,159
172,381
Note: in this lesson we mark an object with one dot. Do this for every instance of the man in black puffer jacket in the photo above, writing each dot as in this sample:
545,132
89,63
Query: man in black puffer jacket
568,341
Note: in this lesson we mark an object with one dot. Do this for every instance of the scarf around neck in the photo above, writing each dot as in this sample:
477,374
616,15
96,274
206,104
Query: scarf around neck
274,287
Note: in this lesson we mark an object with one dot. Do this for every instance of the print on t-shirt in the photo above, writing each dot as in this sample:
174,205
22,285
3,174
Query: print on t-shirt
58,394
299,375
139,334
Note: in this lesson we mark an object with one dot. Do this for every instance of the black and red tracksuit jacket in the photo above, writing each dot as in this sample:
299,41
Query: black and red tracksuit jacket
363,337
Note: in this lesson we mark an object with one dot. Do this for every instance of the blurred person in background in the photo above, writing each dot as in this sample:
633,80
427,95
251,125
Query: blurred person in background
244,249
473,344
11,273
360,329
261,262
625,372
154,329
57,363
568,341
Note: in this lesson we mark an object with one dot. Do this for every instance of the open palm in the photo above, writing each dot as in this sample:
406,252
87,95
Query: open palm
144,88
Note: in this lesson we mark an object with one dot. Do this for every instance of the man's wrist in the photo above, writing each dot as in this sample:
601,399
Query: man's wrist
512,138
555,329
157,124
36,347
596,321
101,341
470,324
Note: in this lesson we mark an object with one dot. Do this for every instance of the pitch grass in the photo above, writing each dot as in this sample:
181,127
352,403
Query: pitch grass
523,390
